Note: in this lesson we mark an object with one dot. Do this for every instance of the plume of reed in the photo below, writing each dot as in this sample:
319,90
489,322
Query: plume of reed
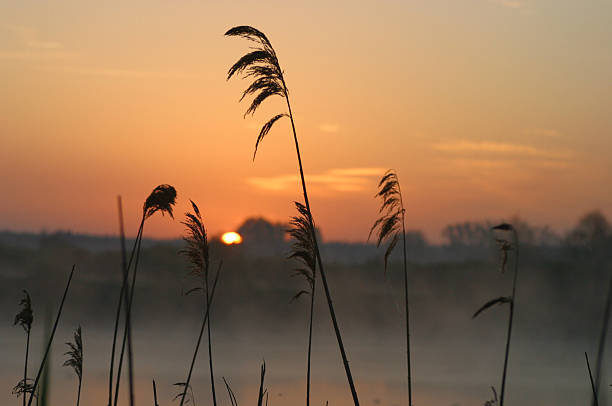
505,246
185,394
199,340
161,199
24,318
50,341
197,252
388,229
262,66
302,249
75,359
493,401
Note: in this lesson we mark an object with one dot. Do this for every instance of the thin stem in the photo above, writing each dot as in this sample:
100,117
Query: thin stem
591,378
516,259
124,339
332,313
210,360
25,368
119,304
44,360
312,298
602,343
407,311
195,353
127,303
406,296
154,394
79,393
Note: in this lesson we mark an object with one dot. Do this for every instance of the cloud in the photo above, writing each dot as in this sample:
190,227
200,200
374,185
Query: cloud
337,179
328,128
542,132
516,4
28,37
126,73
499,148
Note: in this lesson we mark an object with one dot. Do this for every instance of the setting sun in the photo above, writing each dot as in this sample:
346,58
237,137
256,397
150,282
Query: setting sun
231,237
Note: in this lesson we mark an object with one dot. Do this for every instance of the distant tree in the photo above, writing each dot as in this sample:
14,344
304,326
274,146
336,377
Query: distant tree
592,229
467,234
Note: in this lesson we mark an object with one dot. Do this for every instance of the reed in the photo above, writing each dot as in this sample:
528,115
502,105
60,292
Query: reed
198,254
303,251
75,359
25,318
262,65
505,246
387,228
161,199
50,340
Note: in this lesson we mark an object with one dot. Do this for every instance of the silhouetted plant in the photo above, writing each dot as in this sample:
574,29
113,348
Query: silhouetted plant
387,228
262,65
24,318
505,247
197,252
230,393
602,343
75,359
50,340
303,251
595,399
161,199
493,401
186,394
155,394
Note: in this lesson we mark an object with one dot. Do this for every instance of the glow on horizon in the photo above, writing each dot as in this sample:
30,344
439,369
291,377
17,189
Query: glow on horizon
486,109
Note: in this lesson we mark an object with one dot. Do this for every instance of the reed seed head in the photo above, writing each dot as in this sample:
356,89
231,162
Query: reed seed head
162,198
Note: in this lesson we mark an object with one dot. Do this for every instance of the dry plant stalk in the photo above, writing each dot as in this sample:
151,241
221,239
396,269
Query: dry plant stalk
197,252
505,247
262,65
75,358
25,318
304,252
387,229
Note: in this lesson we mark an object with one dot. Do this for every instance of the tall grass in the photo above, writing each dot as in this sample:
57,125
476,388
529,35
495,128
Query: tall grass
75,359
50,340
161,199
602,343
505,247
593,388
262,65
197,251
387,228
303,251
25,318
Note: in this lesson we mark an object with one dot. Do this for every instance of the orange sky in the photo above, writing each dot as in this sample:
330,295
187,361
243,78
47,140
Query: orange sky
486,109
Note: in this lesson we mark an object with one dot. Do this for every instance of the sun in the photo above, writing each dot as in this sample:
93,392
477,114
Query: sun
231,238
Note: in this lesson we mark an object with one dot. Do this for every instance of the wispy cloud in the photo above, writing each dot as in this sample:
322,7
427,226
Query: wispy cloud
542,132
116,73
28,45
509,3
499,148
328,128
337,179
29,38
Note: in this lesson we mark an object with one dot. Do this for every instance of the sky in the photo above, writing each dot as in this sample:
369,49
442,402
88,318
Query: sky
485,108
